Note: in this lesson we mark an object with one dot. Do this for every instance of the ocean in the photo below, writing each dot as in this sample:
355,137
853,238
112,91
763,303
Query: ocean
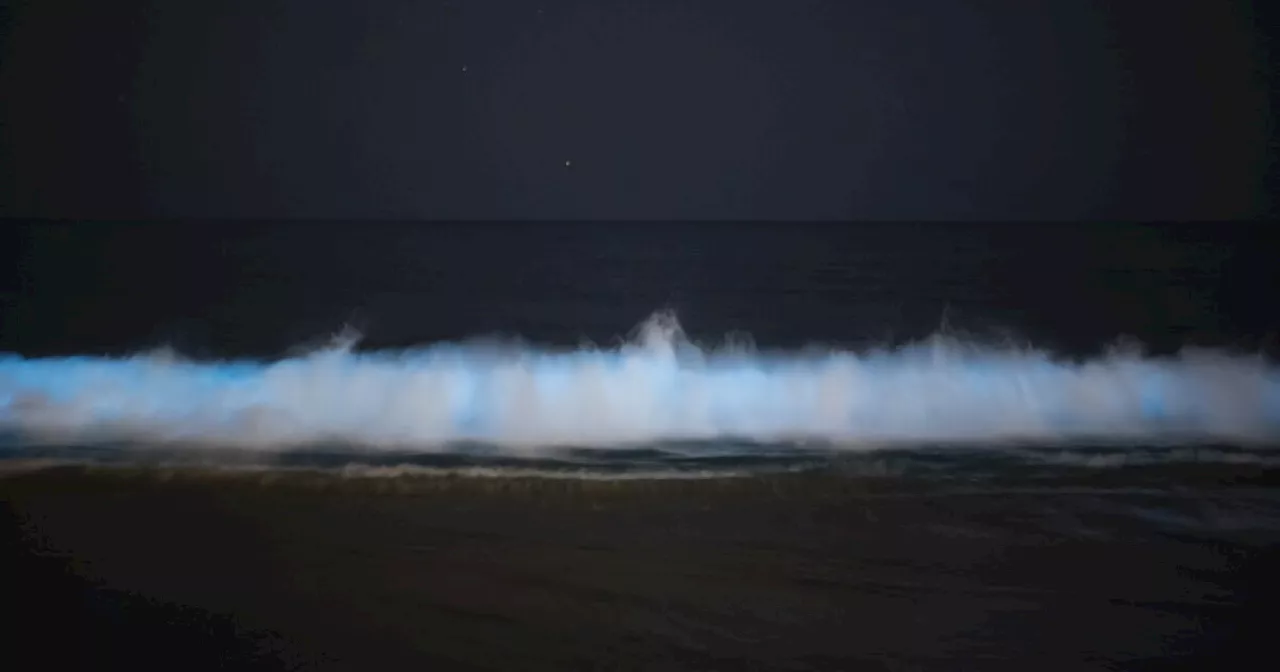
332,445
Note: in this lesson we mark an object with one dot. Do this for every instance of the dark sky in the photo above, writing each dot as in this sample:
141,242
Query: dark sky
786,109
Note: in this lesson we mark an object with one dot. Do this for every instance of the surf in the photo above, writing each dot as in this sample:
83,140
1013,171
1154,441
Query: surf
655,386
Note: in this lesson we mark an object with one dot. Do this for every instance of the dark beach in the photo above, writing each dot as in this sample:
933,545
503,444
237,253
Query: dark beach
198,569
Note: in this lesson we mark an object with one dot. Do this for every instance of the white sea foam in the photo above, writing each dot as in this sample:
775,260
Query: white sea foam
657,387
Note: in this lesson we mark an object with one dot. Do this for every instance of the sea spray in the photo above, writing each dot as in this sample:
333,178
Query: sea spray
655,387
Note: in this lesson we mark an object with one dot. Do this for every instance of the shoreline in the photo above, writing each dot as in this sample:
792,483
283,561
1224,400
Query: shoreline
793,572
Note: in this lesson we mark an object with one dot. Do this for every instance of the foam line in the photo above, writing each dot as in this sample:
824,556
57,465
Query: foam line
658,387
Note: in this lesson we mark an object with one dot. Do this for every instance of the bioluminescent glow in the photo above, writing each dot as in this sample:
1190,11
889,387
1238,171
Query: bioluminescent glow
657,388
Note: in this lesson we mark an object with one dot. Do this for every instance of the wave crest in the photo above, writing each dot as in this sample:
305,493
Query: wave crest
657,386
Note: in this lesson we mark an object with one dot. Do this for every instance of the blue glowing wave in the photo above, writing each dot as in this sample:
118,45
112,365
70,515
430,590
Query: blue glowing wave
657,388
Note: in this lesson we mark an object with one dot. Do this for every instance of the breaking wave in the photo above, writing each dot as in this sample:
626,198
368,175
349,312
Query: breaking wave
656,387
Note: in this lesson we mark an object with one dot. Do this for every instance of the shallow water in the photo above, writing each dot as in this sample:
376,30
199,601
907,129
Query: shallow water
1162,566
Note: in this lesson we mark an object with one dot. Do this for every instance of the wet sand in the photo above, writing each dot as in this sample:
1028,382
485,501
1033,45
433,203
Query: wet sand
197,570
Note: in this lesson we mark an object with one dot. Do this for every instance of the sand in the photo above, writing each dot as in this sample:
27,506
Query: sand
195,569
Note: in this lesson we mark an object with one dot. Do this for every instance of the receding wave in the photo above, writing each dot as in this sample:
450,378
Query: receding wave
657,387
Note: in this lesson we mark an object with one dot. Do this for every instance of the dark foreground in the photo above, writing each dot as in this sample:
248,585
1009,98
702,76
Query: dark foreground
191,570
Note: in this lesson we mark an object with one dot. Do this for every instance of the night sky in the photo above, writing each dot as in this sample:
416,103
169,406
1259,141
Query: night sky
634,109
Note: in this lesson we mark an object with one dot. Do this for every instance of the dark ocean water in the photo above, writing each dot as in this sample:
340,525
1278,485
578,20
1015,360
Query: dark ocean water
262,289
712,446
